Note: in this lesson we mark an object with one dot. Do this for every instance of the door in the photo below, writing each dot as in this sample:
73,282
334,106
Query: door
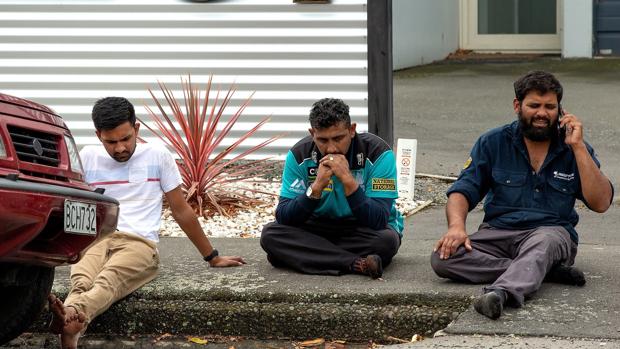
511,25
607,17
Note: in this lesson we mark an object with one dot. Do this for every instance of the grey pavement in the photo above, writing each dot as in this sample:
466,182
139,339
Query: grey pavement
189,298
446,107
509,342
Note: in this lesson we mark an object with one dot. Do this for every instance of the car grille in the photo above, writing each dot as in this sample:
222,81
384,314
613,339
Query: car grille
34,146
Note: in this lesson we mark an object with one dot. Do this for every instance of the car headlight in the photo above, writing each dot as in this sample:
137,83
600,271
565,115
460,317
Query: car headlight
74,155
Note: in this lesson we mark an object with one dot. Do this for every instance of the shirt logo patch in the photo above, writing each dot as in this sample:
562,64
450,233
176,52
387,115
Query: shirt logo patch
298,186
467,163
383,184
312,171
563,176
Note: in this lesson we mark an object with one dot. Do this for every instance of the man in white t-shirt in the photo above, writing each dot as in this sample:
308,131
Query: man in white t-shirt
138,176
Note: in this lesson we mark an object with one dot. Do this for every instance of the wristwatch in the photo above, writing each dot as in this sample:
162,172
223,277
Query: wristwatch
212,255
309,194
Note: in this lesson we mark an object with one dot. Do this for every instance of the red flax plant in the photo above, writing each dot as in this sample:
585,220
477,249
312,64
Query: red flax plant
209,177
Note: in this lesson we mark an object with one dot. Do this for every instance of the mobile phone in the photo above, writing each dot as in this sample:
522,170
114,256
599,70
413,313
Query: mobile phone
561,129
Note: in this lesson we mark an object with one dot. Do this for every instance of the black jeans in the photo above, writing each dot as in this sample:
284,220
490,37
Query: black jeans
327,247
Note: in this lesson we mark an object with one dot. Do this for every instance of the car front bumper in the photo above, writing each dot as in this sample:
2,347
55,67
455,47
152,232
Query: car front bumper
32,222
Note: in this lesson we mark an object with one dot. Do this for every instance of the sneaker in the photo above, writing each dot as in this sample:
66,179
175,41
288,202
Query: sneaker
490,305
370,265
566,275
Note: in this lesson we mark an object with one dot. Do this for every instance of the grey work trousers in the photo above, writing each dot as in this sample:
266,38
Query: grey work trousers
515,261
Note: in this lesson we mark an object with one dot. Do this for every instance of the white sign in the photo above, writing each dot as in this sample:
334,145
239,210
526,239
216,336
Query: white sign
406,150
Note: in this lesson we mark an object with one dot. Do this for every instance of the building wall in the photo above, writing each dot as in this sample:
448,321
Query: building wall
577,29
423,31
66,54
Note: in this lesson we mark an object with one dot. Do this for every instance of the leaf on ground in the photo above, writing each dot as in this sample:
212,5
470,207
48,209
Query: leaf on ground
163,336
197,340
335,345
312,342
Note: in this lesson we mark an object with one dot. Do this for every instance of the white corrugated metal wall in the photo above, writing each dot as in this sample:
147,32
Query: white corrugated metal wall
67,54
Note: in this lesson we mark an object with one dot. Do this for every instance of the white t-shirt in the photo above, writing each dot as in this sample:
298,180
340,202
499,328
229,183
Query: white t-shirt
137,184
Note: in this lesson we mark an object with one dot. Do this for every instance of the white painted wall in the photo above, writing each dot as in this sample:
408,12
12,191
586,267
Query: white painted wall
67,56
577,29
423,31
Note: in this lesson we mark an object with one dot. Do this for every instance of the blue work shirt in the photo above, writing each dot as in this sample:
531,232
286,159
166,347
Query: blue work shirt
516,196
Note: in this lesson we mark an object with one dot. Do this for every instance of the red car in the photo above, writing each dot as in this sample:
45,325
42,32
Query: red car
48,214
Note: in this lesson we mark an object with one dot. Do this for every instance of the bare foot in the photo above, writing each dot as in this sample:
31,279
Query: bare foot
58,314
74,325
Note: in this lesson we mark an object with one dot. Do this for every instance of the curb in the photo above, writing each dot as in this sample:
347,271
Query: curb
351,317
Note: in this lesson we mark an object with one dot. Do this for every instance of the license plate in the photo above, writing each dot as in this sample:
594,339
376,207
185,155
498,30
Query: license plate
80,218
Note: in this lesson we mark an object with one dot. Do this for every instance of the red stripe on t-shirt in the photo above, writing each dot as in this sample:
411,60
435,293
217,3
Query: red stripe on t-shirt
122,182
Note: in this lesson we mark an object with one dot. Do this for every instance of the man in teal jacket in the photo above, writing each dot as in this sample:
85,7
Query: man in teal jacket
337,212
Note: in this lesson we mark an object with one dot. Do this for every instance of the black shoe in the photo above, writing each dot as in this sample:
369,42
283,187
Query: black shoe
490,305
566,275
371,266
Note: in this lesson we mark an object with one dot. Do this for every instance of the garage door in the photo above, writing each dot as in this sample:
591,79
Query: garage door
607,26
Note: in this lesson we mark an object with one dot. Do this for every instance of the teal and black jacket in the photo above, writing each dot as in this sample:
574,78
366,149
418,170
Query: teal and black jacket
372,164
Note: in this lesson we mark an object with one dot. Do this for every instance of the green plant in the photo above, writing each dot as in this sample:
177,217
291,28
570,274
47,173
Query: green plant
210,178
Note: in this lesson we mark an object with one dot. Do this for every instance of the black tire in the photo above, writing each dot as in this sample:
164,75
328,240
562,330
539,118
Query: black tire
23,294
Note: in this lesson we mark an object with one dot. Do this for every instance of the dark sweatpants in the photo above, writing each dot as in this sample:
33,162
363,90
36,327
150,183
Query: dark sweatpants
515,261
327,248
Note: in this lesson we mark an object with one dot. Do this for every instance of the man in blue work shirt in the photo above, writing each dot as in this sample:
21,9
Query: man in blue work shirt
531,172
336,213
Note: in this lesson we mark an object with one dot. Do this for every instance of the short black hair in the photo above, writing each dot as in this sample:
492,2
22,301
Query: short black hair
110,112
539,81
328,112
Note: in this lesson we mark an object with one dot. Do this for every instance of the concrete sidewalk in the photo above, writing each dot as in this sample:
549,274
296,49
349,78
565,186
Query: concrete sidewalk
190,298
260,301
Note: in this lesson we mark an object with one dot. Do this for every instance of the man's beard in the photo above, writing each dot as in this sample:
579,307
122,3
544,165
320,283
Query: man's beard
124,156
537,134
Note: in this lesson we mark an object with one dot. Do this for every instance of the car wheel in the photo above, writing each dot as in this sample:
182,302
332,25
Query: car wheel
23,294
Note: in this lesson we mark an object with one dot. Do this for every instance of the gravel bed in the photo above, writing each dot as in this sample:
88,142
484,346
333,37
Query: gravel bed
249,222
431,189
